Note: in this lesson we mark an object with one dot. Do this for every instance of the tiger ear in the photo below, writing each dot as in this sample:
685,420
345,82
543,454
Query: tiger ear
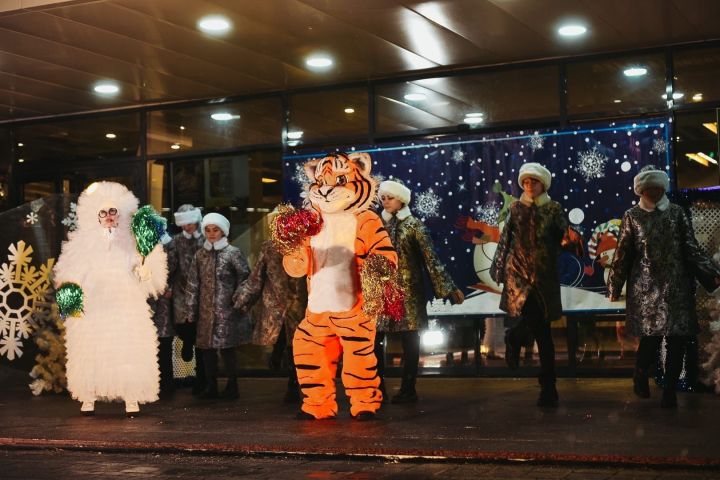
363,161
310,168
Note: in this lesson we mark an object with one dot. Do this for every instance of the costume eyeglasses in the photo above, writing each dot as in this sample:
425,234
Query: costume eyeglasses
110,211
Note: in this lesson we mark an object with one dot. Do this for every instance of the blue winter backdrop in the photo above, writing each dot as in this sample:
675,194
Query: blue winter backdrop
463,185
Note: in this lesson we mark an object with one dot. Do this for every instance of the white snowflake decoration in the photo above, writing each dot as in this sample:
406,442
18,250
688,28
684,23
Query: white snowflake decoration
427,204
31,218
591,164
22,292
537,142
71,220
458,156
659,145
300,177
488,213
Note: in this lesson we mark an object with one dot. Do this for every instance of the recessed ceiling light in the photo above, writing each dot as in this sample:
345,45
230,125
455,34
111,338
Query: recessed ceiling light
473,120
349,110
675,96
293,143
182,127
21,144
223,116
635,71
617,100
214,24
415,97
474,114
21,160
106,88
175,146
319,61
572,30
110,135
297,135
697,97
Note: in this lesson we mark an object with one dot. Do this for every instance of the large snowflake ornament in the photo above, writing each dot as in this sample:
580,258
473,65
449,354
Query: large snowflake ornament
488,213
660,145
71,220
299,176
427,204
537,142
591,164
458,156
22,293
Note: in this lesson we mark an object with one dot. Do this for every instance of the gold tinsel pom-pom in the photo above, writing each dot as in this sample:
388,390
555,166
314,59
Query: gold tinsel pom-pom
379,282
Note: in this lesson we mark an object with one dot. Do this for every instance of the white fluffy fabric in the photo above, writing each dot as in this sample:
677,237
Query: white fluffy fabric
650,178
112,348
536,171
188,218
218,220
395,189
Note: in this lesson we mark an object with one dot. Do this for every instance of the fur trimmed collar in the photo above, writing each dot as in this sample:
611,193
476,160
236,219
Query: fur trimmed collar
661,205
401,215
195,234
540,200
219,245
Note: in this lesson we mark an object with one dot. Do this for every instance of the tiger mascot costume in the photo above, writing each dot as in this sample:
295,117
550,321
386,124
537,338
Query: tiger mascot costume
336,259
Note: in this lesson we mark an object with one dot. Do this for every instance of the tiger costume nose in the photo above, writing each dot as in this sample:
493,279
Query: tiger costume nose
325,190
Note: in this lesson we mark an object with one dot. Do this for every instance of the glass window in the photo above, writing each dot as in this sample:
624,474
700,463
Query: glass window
487,98
696,154
696,75
81,140
253,122
322,115
617,86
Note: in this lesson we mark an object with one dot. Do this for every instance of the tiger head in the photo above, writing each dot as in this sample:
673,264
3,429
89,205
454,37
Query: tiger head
341,183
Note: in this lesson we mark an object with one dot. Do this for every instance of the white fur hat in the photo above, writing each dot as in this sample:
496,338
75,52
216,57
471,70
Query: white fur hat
218,220
396,189
187,215
536,171
650,176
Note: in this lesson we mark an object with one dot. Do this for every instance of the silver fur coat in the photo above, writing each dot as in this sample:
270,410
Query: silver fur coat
659,258
214,278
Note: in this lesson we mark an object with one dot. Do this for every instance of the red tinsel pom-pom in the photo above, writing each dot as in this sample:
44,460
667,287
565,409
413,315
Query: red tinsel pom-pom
394,302
290,227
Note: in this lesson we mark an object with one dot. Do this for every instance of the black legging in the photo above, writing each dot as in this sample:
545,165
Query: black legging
211,362
167,380
411,356
647,353
533,317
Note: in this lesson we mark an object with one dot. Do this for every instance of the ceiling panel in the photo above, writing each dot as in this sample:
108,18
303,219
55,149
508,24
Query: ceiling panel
52,54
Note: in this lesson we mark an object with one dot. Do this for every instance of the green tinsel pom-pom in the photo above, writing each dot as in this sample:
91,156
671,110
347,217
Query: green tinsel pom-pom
148,227
69,298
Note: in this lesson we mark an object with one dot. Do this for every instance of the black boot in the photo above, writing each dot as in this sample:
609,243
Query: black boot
231,389
548,394
641,386
407,392
383,391
211,389
669,398
512,349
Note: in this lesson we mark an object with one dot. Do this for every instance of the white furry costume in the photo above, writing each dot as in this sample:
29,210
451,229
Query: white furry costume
112,347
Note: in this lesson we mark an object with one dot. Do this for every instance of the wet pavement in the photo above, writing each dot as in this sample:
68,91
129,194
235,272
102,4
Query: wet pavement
475,424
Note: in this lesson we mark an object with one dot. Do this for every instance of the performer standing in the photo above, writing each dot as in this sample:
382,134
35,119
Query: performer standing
213,280
112,343
659,258
415,254
526,264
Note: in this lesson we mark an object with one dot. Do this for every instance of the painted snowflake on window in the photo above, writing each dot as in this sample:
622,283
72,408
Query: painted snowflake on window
22,293
591,164
427,204
537,142
31,218
660,145
488,213
71,220
458,156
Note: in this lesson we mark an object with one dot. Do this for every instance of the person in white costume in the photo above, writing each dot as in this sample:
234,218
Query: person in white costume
112,345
